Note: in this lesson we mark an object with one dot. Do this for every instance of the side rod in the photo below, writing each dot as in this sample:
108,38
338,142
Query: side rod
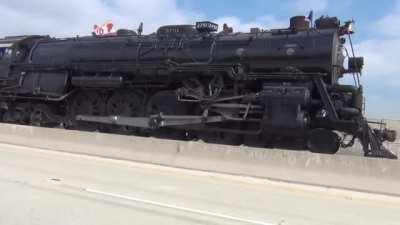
152,122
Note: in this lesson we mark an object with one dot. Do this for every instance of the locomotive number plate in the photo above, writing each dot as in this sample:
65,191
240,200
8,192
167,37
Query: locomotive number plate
206,26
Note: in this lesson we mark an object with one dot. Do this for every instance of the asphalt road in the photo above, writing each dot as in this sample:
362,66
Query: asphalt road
53,188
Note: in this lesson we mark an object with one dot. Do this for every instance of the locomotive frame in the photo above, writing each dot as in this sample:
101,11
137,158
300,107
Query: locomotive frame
186,82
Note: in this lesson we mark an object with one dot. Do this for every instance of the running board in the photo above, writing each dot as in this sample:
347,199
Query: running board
152,122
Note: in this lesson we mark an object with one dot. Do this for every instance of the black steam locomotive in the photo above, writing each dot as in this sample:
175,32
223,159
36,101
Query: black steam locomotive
190,81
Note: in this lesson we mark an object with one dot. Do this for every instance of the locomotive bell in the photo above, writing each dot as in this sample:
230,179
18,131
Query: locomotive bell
299,23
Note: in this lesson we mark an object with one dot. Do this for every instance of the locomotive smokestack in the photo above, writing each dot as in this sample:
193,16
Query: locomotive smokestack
299,23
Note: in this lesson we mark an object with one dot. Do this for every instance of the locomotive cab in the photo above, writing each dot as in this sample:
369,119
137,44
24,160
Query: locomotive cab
14,50
6,51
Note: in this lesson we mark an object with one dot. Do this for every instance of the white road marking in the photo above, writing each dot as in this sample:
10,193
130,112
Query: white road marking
179,208
289,186
58,182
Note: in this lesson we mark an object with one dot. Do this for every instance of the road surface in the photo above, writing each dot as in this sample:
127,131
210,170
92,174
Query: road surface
48,187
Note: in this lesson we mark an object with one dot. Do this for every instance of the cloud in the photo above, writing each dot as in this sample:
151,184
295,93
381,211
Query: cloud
76,17
381,52
379,106
381,56
389,25
382,67
264,22
66,18
303,6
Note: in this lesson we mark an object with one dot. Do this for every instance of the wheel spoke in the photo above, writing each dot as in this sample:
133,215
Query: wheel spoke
86,103
125,104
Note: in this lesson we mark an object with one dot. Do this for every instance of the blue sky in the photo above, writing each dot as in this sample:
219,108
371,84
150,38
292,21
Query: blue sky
377,37
282,9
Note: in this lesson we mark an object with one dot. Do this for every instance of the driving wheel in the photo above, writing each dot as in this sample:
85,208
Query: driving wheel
126,104
86,103
323,141
166,103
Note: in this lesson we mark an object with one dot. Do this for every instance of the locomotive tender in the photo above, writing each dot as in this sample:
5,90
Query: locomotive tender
189,81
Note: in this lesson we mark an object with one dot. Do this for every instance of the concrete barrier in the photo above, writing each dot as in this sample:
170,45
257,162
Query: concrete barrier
338,171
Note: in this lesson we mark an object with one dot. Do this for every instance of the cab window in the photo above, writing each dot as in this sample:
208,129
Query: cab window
5,53
2,52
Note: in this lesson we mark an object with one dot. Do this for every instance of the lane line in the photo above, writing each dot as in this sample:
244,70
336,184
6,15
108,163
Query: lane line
56,183
289,186
179,208
66,186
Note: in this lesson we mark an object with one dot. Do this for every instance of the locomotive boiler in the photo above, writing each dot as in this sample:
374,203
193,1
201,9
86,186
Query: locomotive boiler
191,81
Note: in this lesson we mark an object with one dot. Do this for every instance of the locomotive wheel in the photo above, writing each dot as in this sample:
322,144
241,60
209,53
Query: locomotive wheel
22,113
127,104
8,114
166,102
41,116
323,141
88,103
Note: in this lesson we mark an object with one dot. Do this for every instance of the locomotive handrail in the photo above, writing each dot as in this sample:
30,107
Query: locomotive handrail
209,61
288,73
30,56
327,101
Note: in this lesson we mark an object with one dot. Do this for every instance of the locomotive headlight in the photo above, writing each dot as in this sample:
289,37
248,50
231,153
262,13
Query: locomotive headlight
348,28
